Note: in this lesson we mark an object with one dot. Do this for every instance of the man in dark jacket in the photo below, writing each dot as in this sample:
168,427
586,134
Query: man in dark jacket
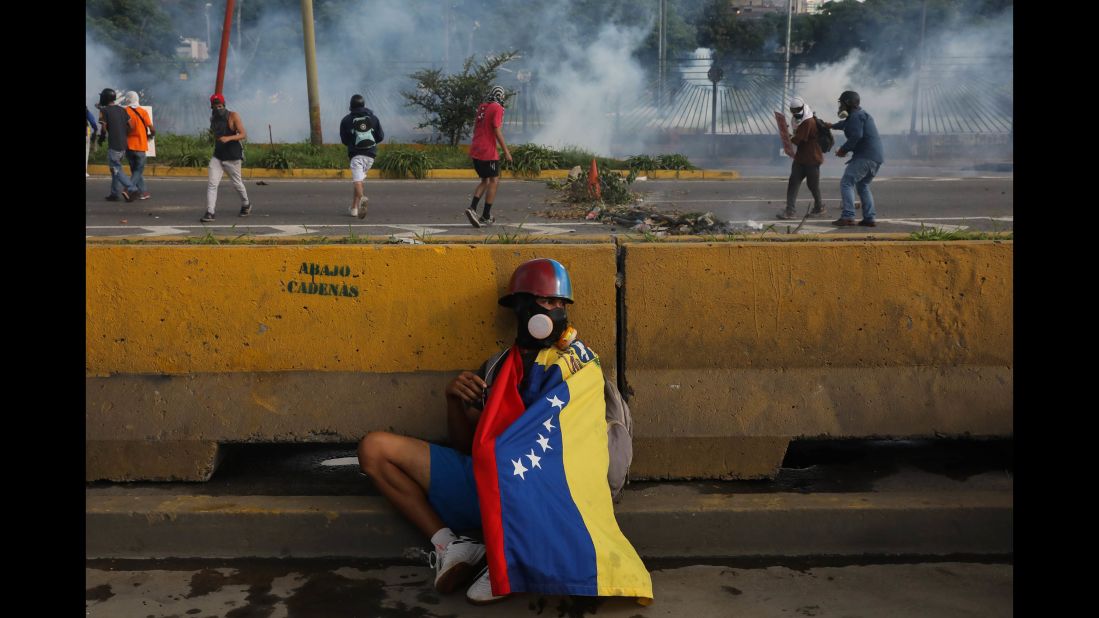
360,131
115,126
862,140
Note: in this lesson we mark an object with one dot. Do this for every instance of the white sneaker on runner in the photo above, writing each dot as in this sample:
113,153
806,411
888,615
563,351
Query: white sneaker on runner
353,211
456,563
472,216
480,593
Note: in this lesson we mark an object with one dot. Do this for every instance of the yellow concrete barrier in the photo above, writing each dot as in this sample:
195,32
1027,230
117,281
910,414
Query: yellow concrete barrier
754,343
730,349
189,346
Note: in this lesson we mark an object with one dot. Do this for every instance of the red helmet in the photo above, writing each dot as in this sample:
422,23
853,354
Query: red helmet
217,97
539,277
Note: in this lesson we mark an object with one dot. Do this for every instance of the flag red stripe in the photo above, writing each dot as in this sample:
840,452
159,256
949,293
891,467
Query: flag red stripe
503,407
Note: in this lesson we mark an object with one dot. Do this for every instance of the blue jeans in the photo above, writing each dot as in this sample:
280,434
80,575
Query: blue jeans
119,181
857,177
137,168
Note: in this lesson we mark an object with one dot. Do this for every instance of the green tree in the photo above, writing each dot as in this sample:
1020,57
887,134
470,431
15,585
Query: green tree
450,102
680,37
720,28
138,32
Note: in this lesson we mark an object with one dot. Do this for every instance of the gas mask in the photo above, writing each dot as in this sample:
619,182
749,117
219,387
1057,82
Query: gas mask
797,112
219,113
537,326
842,113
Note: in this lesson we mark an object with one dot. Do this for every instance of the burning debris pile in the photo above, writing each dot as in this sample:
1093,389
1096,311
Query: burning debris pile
606,197
645,219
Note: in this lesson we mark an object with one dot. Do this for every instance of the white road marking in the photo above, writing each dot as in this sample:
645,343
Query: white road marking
415,230
920,223
341,461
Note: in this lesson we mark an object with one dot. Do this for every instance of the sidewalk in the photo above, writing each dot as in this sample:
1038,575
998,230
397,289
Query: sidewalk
284,501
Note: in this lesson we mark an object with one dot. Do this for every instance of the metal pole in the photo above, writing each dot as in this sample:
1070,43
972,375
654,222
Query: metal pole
208,5
919,68
311,73
446,39
225,29
786,73
713,116
663,54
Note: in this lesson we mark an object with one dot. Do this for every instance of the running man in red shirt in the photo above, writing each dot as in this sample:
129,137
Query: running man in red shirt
486,160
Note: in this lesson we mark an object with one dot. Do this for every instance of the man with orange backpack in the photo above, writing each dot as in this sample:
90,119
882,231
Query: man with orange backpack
137,141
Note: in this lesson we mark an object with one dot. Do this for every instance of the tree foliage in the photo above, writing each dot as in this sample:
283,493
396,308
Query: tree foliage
449,102
139,32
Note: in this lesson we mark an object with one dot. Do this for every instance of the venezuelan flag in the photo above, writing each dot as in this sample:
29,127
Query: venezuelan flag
540,462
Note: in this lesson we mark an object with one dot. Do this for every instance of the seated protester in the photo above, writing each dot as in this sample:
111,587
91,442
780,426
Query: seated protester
526,432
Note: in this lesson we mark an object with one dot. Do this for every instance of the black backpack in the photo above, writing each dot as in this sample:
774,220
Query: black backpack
362,132
824,136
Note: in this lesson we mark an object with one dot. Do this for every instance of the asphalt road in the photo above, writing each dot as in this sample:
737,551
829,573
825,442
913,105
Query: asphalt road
408,208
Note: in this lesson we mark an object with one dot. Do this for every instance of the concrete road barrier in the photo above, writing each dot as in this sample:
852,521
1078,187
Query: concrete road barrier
729,350
191,346
732,349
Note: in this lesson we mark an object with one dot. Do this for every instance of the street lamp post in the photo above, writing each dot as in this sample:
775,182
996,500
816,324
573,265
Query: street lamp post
524,95
786,73
208,5
714,74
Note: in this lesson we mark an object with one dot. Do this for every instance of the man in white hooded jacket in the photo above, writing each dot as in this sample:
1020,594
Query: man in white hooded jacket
137,141
807,160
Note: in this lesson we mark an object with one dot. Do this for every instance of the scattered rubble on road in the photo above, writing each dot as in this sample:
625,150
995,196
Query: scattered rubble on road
646,219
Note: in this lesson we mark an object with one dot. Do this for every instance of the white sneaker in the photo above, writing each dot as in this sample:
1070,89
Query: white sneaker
480,593
362,207
472,216
457,563
353,211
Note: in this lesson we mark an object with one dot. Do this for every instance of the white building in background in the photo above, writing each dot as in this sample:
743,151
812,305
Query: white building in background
192,49
759,8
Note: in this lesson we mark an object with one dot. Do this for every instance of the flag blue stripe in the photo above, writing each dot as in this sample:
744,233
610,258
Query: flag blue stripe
546,544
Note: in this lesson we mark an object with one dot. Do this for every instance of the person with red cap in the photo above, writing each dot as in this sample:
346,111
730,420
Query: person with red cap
228,131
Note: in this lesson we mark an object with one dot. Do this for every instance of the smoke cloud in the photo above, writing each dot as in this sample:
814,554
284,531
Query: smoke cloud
966,84
583,83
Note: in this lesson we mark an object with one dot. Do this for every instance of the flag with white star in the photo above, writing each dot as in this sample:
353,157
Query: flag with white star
540,461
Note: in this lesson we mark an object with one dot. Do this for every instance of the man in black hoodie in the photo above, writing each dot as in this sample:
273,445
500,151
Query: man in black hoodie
360,131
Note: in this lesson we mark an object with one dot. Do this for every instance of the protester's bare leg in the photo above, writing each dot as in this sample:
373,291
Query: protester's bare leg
358,194
493,183
480,190
401,469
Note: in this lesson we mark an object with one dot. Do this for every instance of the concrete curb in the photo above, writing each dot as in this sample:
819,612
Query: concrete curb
248,173
682,520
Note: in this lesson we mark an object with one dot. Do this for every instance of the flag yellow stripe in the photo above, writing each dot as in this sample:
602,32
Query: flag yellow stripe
584,448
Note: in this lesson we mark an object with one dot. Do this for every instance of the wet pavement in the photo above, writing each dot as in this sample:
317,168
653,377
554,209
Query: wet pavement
326,589
903,584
